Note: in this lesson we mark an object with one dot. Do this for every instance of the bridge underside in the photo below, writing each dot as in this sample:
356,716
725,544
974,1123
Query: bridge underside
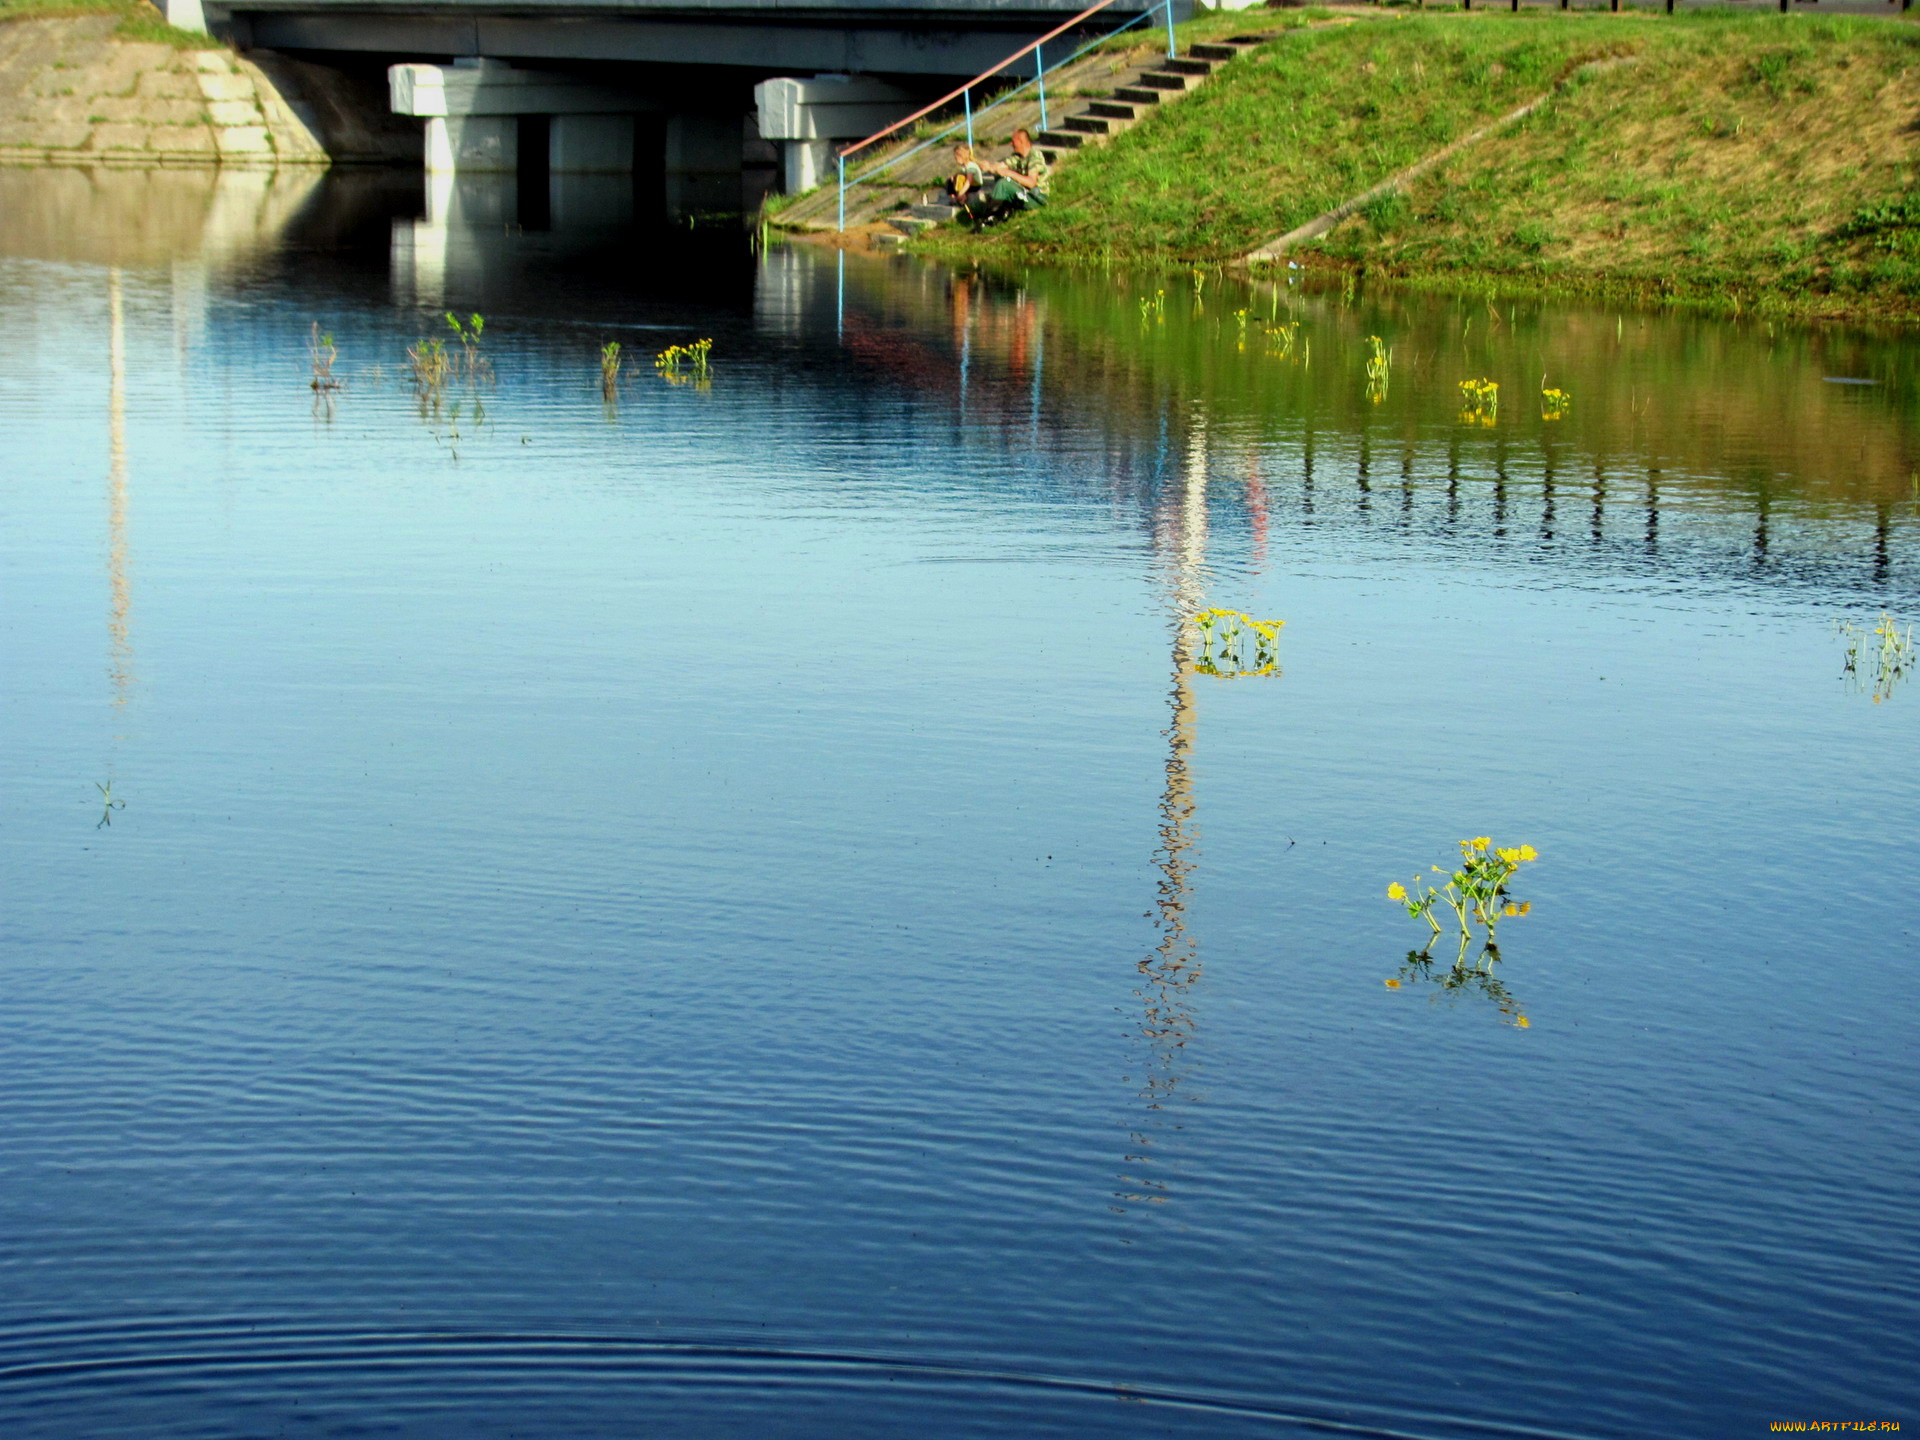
651,108
906,40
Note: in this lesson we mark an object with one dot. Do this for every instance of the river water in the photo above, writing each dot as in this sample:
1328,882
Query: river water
733,906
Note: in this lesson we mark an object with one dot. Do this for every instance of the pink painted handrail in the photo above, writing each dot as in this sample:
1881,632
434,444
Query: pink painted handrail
983,75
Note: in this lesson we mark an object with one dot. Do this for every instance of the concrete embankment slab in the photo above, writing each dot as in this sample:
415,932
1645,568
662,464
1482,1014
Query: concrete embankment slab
74,91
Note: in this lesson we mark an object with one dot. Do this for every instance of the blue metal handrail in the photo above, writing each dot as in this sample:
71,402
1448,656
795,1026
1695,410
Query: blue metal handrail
965,94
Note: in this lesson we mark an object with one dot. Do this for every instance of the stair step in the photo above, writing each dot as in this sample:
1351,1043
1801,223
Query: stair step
1059,141
1086,124
1108,110
1181,65
1248,41
933,214
1161,80
1213,52
1134,95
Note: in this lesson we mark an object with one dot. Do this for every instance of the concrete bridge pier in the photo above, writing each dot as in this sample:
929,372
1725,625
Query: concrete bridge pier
808,119
473,110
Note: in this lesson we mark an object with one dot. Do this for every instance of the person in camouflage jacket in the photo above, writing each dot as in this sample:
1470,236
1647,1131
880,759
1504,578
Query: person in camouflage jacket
1023,182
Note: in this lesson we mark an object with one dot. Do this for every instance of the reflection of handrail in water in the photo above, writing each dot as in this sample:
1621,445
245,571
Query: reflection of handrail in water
120,596
1168,974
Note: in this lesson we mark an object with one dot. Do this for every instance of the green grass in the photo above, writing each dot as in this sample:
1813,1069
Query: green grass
138,20
1740,160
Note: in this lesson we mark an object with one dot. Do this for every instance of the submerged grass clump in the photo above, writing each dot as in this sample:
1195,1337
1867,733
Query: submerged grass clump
683,364
1285,342
468,333
433,366
1234,644
1479,402
107,803
321,353
1379,359
610,369
1877,660
430,364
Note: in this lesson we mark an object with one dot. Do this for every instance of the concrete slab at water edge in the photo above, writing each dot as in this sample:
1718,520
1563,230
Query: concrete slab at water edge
72,90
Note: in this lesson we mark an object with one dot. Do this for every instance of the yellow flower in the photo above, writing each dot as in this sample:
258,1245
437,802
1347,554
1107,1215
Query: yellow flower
1523,1022
1526,907
1512,909
1396,891
1527,852
1393,984
1512,857
1480,842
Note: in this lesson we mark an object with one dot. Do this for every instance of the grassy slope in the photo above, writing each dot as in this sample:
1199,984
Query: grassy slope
139,20
1761,158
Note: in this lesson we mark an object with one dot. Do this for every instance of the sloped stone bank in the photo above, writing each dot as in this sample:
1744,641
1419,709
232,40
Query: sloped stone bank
72,91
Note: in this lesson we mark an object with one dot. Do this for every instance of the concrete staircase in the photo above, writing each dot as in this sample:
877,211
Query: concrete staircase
1094,99
1159,83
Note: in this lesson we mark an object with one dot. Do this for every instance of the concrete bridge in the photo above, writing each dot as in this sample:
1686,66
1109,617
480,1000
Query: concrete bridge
671,92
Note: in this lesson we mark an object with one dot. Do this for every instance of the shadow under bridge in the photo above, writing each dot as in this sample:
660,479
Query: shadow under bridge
663,90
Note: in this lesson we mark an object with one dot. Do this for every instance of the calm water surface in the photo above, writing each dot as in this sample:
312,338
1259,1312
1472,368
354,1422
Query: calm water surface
729,909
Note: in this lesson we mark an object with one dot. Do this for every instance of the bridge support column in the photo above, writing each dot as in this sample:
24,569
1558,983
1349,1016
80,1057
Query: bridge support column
806,117
460,144
805,164
472,110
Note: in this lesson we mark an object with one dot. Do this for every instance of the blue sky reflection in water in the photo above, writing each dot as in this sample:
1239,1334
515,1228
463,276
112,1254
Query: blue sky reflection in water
723,913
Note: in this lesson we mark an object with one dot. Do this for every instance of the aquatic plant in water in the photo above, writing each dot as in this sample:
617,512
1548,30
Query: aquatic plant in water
1284,342
1877,660
1479,402
1554,403
1154,307
1476,893
322,353
468,333
693,357
430,365
1234,644
609,369
1379,360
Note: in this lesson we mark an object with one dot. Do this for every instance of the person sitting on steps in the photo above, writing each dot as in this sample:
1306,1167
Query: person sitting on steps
965,186
1024,179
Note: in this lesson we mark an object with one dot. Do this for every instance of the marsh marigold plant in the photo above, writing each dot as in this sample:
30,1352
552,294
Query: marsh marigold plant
1476,892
